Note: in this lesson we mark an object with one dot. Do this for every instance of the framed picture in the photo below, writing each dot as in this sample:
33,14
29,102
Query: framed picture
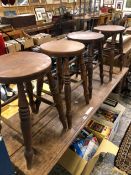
22,2
119,4
108,2
49,15
39,16
40,13
9,13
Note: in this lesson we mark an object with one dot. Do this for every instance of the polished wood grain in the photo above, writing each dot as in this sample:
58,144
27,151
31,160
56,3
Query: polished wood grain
90,39
110,28
20,68
23,65
64,49
85,37
49,139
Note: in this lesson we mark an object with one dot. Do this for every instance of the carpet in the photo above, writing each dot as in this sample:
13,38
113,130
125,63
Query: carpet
123,157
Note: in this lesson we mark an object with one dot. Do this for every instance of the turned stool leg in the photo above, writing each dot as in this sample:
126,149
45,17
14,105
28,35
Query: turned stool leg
25,124
121,51
39,90
29,90
90,68
112,52
84,78
67,89
100,57
57,99
59,74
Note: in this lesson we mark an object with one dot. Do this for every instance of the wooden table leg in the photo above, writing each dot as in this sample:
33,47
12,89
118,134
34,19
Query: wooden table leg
29,90
100,57
67,89
57,100
112,52
90,68
59,74
39,90
25,124
84,78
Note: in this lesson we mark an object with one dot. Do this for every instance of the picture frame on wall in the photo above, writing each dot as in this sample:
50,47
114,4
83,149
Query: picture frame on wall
108,2
39,16
49,15
119,4
40,13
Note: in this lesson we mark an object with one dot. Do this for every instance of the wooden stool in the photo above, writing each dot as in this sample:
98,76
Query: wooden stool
20,68
90,39
63,50
112,31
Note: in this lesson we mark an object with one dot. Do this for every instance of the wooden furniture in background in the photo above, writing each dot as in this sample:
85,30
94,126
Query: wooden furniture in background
64,49
90,39
113,31
20,68
128,30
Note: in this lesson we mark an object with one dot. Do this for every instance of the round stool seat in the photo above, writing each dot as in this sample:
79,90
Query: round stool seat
110,28
62,48
85,36
23,65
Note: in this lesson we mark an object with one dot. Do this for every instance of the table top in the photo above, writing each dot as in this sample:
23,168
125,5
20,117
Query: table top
85,36
85,17
62,47
23,66
110,28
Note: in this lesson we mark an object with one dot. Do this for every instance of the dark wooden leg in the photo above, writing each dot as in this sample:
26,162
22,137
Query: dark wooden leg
112,56
90,68
100,56
84,78
121,51
25,124
29,90
39,90
59,74
57,99
77,67
67,89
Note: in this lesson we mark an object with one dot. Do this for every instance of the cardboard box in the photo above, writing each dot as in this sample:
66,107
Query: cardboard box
108,124
10,47
41,38
16,44
77,166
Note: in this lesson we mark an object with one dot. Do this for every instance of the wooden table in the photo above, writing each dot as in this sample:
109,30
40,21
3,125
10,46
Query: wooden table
20,68
113,30
48,137
90,39
85,18
64,49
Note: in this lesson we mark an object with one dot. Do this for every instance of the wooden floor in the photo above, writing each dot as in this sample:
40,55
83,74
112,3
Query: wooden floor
49,140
